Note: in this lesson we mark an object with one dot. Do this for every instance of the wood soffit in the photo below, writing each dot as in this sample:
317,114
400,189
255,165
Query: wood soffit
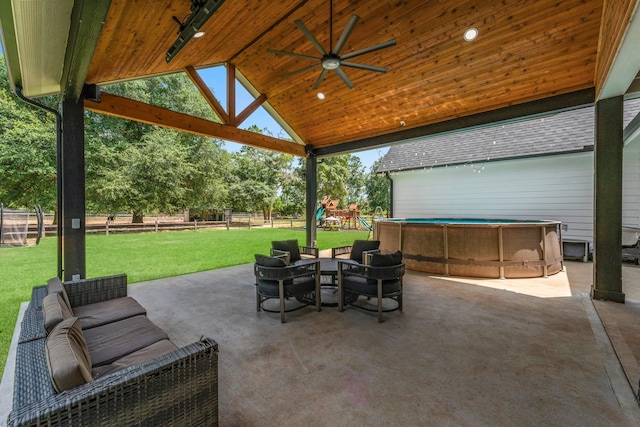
526,51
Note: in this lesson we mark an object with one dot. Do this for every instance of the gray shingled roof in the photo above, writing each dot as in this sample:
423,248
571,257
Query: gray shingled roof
565,132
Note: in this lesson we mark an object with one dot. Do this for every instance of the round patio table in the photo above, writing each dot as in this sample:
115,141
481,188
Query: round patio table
328,281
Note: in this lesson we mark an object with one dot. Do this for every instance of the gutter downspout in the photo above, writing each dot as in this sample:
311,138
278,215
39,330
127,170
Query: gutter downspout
18,91
390,215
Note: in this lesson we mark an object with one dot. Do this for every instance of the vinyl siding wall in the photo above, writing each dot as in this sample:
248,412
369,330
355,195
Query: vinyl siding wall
551,187
631,195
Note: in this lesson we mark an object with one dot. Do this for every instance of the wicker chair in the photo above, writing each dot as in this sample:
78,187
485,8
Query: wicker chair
295,286
382,280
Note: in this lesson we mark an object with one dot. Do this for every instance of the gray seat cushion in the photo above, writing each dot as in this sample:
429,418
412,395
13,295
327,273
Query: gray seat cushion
362,286
101,313
113,341
154,350
299,286
68,360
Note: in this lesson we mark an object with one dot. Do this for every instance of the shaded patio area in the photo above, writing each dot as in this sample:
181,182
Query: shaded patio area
463,352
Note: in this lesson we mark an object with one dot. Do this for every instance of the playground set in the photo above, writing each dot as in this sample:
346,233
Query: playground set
330,216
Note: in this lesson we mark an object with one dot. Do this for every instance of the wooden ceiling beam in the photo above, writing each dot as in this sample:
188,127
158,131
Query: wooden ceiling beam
130,109
250,109
207,94
231,93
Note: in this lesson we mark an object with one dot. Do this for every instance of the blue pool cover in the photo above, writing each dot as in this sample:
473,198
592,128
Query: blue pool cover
467,221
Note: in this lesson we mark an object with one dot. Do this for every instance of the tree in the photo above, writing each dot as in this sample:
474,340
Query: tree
294,192
142,168
355,180
342,177
27,151
378,189
257,179
332,178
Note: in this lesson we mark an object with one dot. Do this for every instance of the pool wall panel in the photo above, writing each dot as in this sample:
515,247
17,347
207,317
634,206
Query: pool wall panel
491,250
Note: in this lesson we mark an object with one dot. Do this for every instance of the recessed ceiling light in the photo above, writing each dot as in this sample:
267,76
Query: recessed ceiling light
198,34
320,95
470,34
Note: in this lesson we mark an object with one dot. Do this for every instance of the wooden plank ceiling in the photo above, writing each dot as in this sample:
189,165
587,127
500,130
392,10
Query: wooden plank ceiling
526,50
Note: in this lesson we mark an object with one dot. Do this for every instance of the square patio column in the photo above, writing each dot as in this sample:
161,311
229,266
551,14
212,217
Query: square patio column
73,189
311,177
607,205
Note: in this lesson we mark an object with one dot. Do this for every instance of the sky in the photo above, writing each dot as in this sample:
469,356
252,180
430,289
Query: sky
215,78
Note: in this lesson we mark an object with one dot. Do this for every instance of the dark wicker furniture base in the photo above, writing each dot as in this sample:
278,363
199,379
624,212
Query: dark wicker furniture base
176,388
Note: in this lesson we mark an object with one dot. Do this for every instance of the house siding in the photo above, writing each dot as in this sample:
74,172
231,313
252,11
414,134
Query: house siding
631,194
551,187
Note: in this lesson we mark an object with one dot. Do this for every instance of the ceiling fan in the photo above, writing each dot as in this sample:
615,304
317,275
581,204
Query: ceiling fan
332,60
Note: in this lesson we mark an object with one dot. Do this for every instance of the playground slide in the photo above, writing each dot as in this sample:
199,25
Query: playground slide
364,223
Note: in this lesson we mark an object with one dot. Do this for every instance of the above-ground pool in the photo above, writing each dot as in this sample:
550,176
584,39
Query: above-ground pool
474,247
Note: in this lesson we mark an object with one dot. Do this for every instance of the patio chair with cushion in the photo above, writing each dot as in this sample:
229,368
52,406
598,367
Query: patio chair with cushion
293,252
294,286
381,280
359,252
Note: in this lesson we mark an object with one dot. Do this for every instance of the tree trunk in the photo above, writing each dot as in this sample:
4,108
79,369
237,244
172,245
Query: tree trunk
137,218
55,216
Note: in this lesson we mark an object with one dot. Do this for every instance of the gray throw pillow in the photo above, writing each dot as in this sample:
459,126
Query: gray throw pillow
290,246
386,260
54,310
67,356
269,261
362,245
55,285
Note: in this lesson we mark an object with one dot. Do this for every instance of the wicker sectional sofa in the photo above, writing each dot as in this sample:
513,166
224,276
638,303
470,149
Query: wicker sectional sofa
122,369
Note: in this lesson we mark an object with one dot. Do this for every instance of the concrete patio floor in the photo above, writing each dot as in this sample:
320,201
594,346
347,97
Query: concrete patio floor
464,352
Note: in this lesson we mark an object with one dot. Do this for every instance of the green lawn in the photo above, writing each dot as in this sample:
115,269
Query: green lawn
143,256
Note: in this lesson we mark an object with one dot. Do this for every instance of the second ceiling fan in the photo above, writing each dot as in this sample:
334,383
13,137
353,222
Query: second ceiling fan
332,60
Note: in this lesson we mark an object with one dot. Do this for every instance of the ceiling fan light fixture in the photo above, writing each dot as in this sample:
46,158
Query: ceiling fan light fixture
332,59
330,62
470,34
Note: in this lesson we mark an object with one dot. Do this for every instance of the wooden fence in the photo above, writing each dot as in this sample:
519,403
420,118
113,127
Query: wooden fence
239,221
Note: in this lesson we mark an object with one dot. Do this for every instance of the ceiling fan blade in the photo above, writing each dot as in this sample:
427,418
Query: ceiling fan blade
293,73
295,55
310,36
344,77
364,67
345,34
373,48
320,78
